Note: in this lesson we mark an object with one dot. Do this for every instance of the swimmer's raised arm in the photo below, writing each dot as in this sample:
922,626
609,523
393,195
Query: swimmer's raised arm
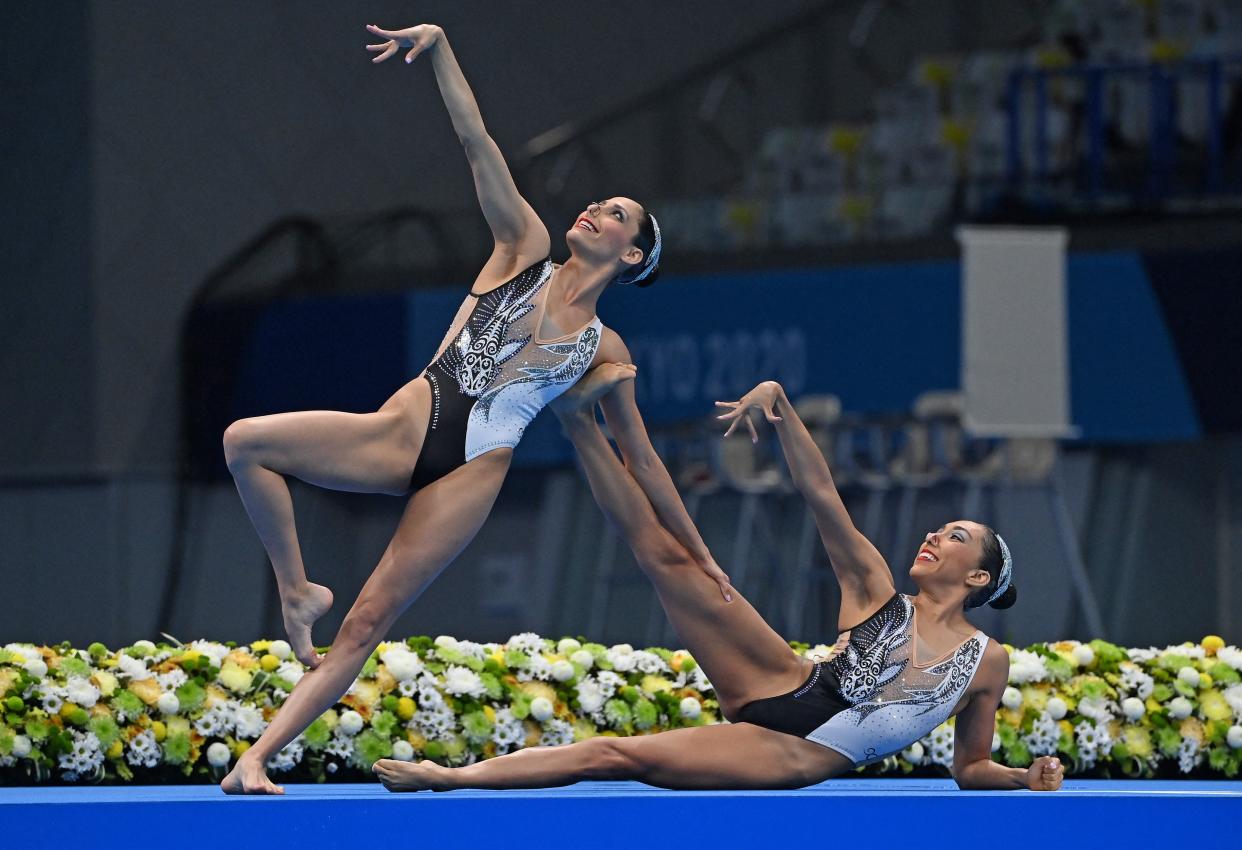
865,578
517,230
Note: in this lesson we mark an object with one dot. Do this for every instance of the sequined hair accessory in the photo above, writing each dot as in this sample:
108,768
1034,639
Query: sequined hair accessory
653,258
1006,572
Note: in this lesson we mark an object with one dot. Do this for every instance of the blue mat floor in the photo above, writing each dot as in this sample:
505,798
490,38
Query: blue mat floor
928,814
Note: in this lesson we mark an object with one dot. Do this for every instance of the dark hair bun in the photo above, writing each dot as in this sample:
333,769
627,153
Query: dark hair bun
1006,599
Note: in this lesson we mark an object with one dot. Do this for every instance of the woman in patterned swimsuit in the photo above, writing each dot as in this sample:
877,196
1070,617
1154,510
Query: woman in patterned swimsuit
902,665
525,333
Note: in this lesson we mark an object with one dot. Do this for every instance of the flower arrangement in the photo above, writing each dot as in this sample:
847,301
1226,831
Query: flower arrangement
184,712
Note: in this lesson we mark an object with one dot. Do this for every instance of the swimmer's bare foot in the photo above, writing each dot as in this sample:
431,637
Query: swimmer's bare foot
249,777
593,386
299,615
407,776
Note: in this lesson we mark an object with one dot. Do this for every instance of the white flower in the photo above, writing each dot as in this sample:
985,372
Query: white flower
942,745
446,642
1093,738
53,699
1188,650
36,667
218,754
1233,737
281,649
1083,655
527,642
507,731
429,696
144,646
1025,667
350,723
1133,708
1044,735
913,753
1012,698
996,742
1096,708
403,750
1056,708
81,691
291,671
556,732
1233,696
1143,655
622,649
143,751
287,758
1134,680
437,723
609,682
649,662
401,663
541,708
22,745
583,658
690,708
215,721
85,756
215,651
341,745
172,680
563,671
622,662
25,650
1230,655
134,668
331,767
568,646
1180,708
537,668
1188,755
1188,676
590,696
462,681
470,649
168,703
249,722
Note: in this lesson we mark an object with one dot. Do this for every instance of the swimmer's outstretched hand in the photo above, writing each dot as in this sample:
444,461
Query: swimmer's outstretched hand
1045,774
581,397
417,38
762,397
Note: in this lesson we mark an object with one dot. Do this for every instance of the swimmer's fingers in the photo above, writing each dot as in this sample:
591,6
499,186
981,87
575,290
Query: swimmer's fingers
769,413
389,48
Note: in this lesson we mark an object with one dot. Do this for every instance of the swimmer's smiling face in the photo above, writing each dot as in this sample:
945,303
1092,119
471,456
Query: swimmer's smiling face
607,230
951,555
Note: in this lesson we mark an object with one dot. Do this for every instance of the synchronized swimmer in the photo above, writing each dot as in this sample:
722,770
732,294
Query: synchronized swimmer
527,331
902,664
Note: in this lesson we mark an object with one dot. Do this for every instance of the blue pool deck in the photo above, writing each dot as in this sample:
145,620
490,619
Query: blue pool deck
919,814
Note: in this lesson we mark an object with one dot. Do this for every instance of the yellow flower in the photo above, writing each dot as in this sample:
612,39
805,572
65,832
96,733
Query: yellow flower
487,710
1213,705
261,645
1211,643
233,677
406,708
498,656
368,693
385,680
178,725
1205,680
416,740
1192,727
584,728
240,747
147,690
242,659
117,748
533,732
188,655
1036,696
105,681
1138,741
679,658
656,684
269,662
160,730
539,689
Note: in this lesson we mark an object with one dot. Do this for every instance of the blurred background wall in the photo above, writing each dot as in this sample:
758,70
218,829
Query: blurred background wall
187,186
